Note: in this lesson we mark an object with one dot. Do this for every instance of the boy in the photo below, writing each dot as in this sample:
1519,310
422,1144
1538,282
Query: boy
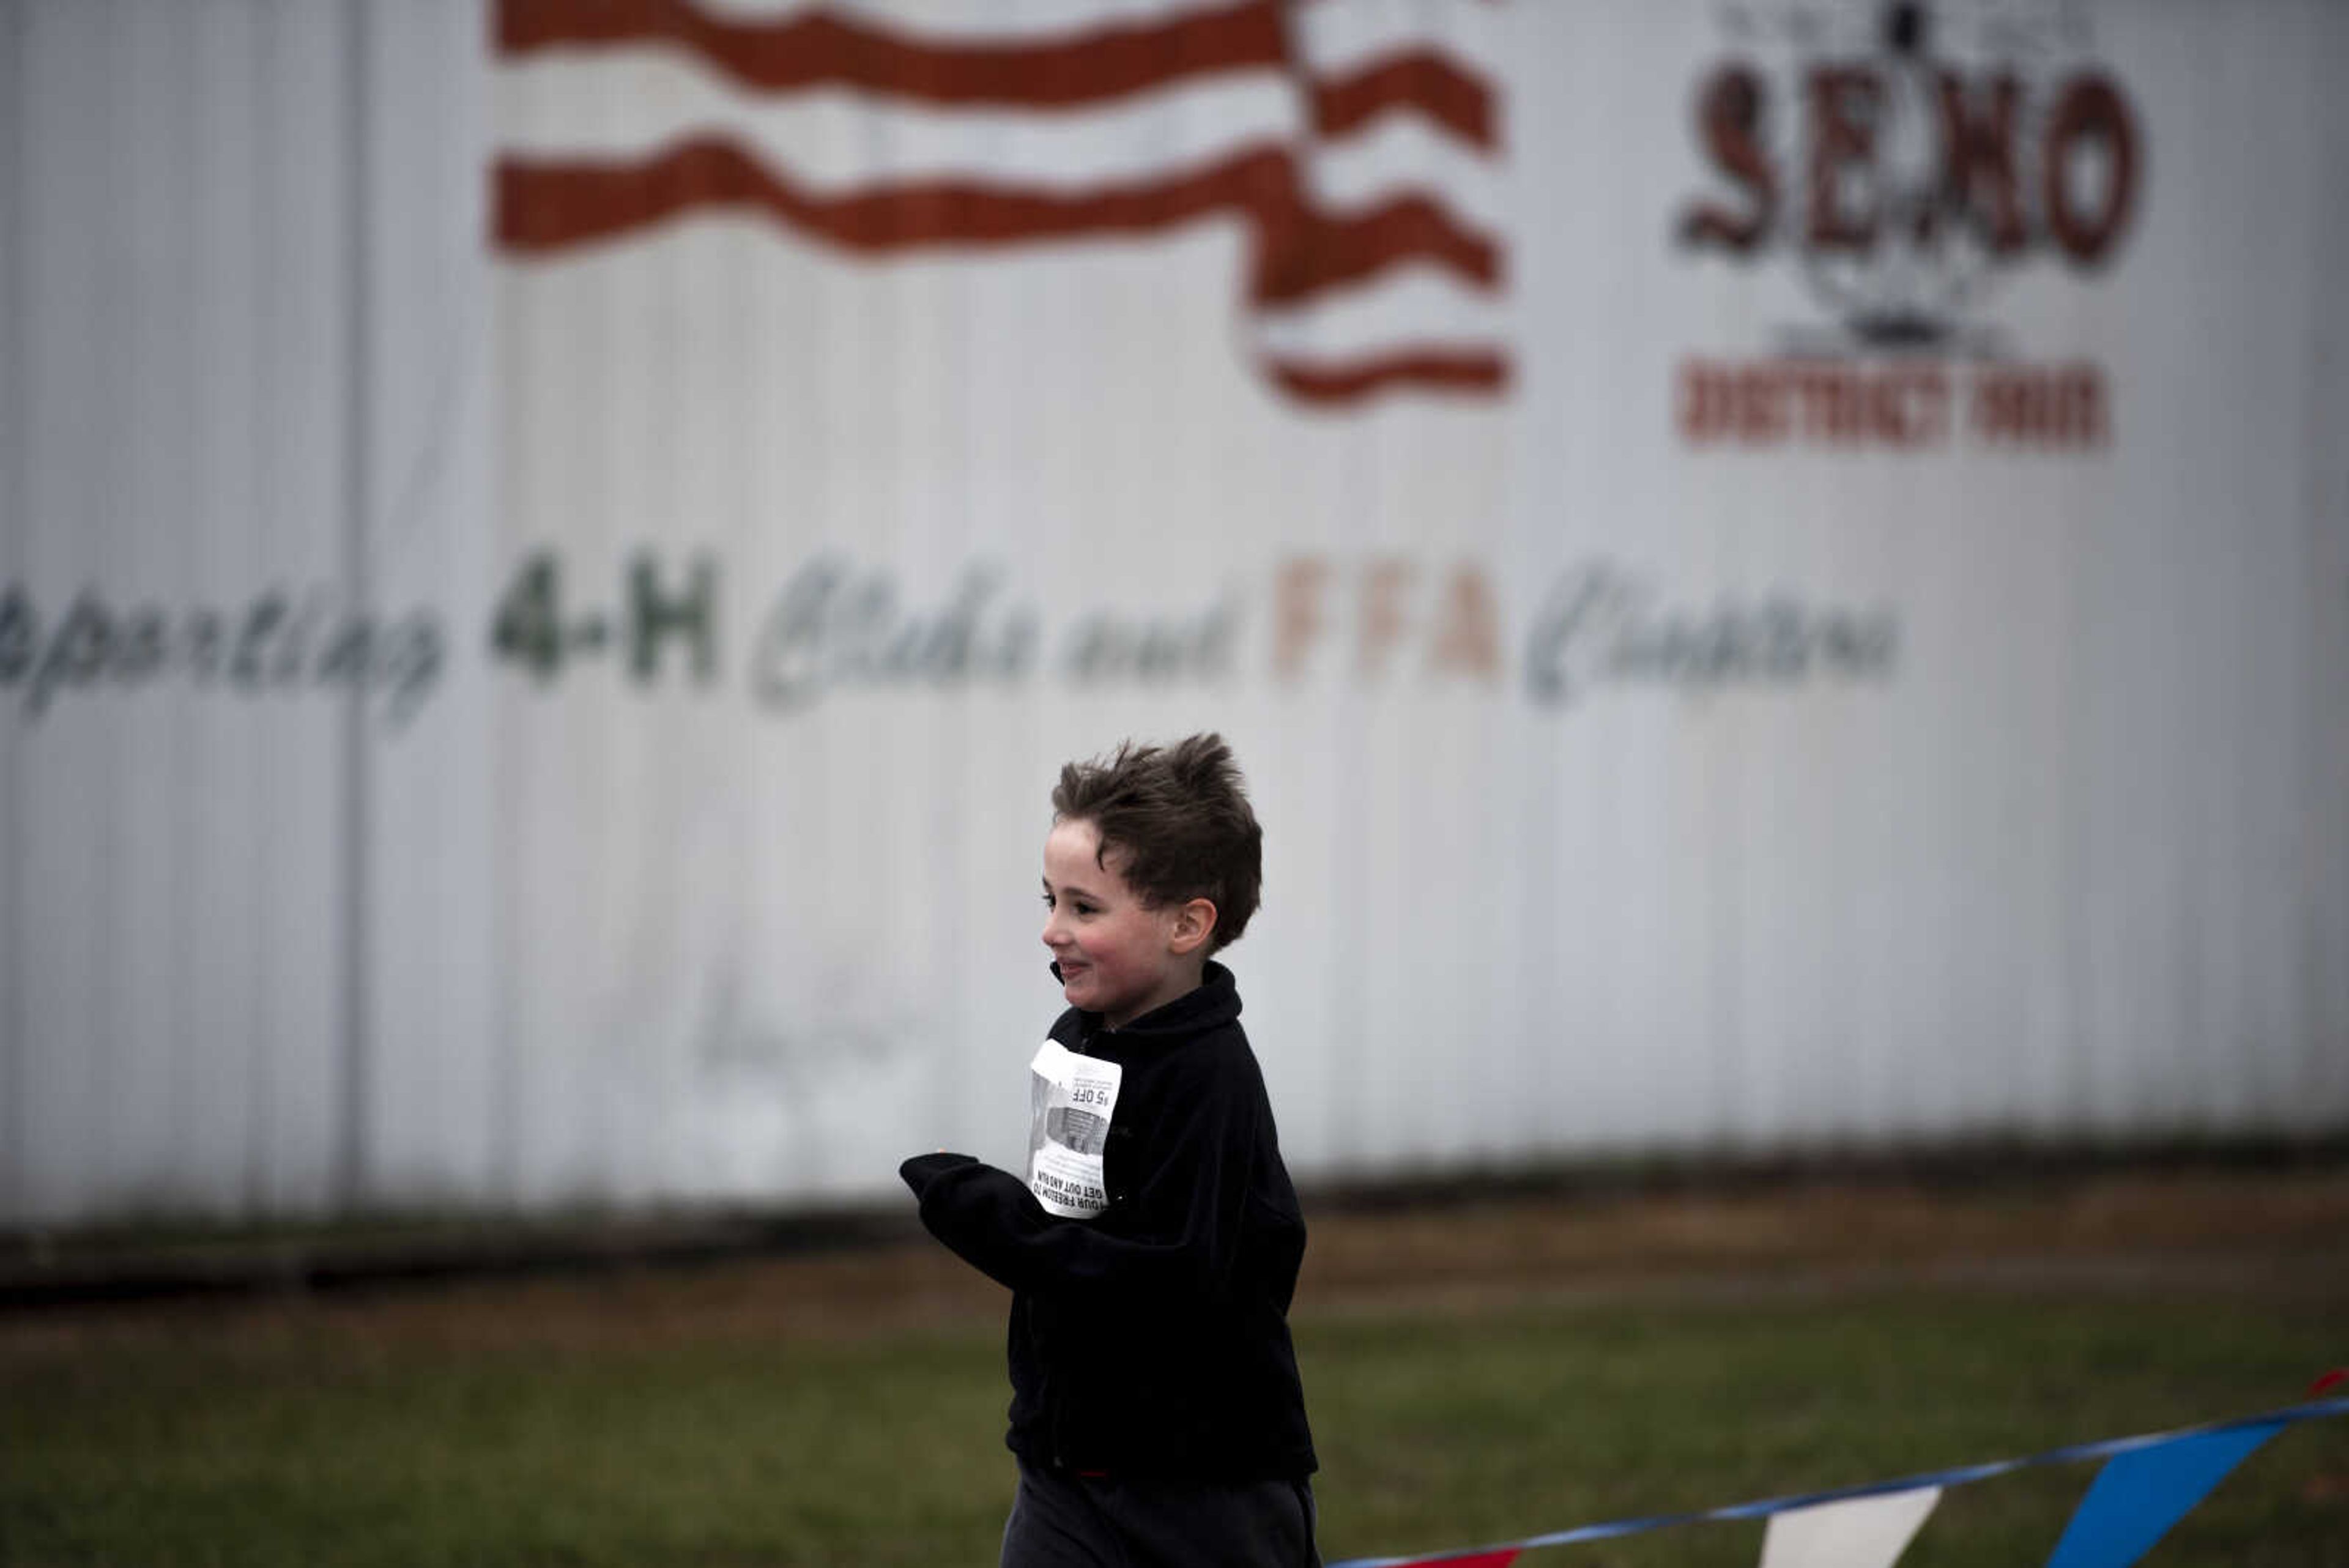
1152,1247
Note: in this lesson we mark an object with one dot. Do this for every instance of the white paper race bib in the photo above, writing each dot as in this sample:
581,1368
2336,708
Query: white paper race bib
1069,1098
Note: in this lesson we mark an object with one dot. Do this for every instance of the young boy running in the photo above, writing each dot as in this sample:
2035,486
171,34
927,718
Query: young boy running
1153,1246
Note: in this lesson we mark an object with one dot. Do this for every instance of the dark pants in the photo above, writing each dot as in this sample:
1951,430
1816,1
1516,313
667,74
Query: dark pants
1060,1520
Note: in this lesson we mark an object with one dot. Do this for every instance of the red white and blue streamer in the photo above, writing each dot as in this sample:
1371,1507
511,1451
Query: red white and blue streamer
2147,1484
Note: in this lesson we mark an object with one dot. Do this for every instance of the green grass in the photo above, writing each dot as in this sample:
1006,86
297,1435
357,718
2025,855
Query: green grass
367,1435
1440,1433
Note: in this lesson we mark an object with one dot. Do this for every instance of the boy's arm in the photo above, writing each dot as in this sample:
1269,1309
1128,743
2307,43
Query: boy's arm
1177,1232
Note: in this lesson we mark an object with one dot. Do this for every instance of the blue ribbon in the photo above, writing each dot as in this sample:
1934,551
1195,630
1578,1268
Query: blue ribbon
2212,1441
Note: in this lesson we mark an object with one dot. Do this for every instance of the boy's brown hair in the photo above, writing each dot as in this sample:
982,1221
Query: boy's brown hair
1179,818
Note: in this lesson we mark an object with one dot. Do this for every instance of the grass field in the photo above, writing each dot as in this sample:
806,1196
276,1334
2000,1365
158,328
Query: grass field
1476,1372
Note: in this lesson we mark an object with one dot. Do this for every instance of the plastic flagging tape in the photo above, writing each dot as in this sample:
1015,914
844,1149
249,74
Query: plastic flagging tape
1503,1551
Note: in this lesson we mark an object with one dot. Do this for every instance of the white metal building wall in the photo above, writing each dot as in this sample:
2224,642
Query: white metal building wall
242,317
2072,861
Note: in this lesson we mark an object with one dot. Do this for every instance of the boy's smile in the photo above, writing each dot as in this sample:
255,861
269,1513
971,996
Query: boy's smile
1117,956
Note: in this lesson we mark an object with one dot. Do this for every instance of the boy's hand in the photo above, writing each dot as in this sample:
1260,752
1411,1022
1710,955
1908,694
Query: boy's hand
924,1168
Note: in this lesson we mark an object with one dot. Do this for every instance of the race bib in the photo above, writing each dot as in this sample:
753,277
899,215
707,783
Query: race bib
1070,1100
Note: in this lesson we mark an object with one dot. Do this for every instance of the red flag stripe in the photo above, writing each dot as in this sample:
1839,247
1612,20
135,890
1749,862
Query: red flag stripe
1481,373
817,49
544,206
547,206
1305,253
1446,92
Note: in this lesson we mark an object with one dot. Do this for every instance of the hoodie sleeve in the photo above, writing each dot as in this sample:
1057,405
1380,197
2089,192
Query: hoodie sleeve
1176,1233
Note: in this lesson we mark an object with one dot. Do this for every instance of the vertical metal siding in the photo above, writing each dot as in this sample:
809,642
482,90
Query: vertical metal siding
2080,869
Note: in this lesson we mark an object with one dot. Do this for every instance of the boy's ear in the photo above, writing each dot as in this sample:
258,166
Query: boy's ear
1195,922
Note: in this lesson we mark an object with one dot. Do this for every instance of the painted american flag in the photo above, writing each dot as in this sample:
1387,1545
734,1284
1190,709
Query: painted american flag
1358,141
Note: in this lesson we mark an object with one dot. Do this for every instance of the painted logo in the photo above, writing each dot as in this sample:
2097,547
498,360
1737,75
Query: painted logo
1907,161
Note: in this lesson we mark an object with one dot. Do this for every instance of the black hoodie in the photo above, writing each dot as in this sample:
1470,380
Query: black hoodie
1153,1339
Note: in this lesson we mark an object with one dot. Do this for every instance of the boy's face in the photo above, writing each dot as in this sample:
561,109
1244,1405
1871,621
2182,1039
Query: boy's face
1118,957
